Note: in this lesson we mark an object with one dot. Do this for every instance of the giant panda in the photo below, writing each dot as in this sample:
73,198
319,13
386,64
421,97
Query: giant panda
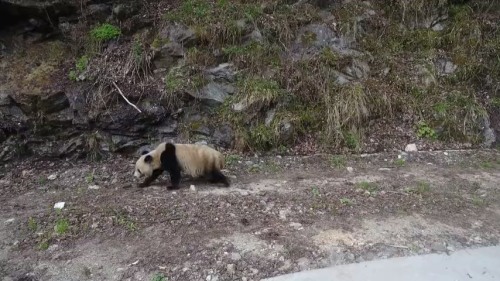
192,159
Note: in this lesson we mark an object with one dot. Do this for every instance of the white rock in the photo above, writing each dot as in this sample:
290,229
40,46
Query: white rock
230,268
59,205
94,187
350,169
411,147
52,177
9,220
192,188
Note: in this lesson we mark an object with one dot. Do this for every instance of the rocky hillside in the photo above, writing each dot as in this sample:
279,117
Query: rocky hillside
85,78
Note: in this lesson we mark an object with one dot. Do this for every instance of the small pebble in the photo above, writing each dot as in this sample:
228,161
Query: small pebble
350,169
192,188
52,177
59,205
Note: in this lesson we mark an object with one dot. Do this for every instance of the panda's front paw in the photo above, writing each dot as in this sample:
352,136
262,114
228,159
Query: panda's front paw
172,187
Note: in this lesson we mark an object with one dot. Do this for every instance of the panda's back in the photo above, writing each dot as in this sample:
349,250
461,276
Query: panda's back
196,160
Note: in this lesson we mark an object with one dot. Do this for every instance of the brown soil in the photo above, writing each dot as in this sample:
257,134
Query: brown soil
282,214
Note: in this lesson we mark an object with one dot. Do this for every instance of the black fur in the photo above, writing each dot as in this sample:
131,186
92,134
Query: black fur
154,176
171,165
217,176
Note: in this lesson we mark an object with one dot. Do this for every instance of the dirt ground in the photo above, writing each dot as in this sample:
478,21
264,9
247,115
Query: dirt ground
281,215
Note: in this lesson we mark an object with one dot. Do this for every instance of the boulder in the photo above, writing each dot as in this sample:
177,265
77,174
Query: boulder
124,11
222,73
223,136
214,93
53,102
178,33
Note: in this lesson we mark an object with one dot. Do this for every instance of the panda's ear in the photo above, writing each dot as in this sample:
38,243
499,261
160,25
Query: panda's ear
144,152
148,159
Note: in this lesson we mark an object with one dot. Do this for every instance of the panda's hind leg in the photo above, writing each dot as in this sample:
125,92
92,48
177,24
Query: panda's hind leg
217,176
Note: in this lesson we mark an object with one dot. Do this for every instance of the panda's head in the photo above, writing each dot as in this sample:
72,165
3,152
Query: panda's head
145,165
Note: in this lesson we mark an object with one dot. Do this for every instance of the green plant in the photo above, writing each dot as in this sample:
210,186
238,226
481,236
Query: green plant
126,222
232,159
43,245
62,226
346,201
421,188
424,131
368,186
478,201
32,225
90,178
82,63
159,277
338,161
105,32
400,162
315,192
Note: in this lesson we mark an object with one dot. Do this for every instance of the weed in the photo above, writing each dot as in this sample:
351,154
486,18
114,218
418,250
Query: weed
105,32
478,201
421,188
368,186
43,245
90,178
82,63
400,162
346,201
282,149
424,131
338,161
495,101
254,169
62,226
260,91
126,222
272,167
42,180
215,23
487,165
352,140
32,224
232,159
315,192
159,277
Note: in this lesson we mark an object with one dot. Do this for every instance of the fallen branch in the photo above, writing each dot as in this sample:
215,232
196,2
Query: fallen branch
123,96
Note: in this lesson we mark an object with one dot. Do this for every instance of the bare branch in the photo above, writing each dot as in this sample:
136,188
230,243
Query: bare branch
123,96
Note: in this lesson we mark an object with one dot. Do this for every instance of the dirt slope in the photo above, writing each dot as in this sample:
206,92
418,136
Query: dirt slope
281,215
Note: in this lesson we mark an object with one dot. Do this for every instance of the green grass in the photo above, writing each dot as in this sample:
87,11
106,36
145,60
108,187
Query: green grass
90,178
32,224
421,188
159,277
368,186
346,201
400,162
424,131
43,245
62,226
338,161
315,192
105,32
232,159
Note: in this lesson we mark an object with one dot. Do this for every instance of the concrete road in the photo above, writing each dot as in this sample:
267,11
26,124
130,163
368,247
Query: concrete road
469,264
